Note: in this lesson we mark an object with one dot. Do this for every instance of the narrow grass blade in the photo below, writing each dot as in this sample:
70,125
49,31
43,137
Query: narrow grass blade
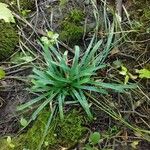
61,98
39,80
84,74
108,45
90,71
39,73
33,101
75,65
87,51
55,52
86,105
40,89
94,89
83,102
38,110
46,54
92,52
113,86
117,116
47,127
58,78
61,65
83,81
76,57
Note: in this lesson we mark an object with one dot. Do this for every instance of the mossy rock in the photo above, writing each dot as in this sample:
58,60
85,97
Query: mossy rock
72,28
24,4
71,32
64,133
8,40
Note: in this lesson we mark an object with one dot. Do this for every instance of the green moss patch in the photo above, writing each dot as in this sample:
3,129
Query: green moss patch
66,133
8,40
141,16
72,28
24,4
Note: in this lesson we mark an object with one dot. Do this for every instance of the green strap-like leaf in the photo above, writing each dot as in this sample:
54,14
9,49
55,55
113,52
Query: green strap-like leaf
92,52
46,54
94,89
87,51
82,100
47,127
33,101
61,98
76,57
39,73
113,86
61,65
38,110
55,52
108,45
58,78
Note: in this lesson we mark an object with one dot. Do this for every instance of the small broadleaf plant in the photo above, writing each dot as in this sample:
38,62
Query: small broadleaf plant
2,73
125,72
6,13
144,73
63,82
94,139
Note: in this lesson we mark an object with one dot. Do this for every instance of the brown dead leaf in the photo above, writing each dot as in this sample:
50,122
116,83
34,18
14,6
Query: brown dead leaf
114,51
125,135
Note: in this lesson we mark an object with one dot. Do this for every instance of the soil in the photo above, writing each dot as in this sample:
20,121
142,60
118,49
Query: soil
13,93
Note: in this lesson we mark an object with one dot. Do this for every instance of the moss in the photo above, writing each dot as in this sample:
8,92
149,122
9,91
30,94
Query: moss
65,133
8,40
71,32
76,16
141,16
24,4
71,27
140,20
63,2
71,129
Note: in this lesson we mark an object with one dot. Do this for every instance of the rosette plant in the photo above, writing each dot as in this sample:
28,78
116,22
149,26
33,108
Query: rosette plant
62,81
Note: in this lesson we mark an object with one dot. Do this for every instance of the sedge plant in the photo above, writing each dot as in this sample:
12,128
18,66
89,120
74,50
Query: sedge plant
62,81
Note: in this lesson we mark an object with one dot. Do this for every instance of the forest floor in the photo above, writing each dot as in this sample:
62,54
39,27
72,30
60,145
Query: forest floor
75,23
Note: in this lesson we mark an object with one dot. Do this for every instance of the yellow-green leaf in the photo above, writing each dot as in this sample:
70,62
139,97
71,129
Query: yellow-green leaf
126,79
124,70
23,122
134,144
8,139
45,40
144,73
9,142
46,143
11,145
132,76
6,14
2,73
